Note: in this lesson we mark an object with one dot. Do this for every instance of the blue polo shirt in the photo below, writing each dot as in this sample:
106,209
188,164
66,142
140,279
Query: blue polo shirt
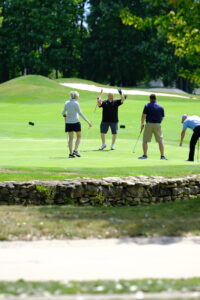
154,111
191,122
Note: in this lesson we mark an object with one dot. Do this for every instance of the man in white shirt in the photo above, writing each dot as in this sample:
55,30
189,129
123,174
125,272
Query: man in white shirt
192,122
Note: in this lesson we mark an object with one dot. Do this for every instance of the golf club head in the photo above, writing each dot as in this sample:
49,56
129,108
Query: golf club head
125,96
120,91
31,123
122,126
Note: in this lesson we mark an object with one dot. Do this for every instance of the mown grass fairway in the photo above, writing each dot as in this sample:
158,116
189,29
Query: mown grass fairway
40,151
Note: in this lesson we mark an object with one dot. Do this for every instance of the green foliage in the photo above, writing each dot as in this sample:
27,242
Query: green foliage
117,54
129,19
69,201
41,189
180,23
1,18
56,39
37,37
48,192
126,56
100,199
99,287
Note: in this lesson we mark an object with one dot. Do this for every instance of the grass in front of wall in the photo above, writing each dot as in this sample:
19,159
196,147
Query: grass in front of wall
181,218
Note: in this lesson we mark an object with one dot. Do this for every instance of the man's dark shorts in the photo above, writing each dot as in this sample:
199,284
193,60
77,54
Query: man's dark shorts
105,126
69,127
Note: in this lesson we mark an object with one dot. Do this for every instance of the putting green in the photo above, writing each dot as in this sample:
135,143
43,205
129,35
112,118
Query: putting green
40,151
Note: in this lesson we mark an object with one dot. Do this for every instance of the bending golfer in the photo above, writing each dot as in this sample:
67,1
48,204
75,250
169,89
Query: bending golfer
153,113
192,122
72,108
109,118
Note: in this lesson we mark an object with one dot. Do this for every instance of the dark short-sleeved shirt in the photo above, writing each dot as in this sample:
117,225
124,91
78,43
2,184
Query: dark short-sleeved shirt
110,110
154,112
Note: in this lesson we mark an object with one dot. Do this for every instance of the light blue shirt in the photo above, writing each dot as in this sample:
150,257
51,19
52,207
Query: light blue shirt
72,108
191,122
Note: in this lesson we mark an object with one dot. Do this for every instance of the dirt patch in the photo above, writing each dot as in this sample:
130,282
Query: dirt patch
65,173
11,171
47,173
60,173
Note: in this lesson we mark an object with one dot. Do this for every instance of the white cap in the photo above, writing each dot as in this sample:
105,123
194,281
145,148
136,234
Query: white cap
74,94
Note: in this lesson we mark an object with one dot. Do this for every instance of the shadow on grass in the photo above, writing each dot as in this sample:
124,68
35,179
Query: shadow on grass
174,219
96,150
159,240
57,157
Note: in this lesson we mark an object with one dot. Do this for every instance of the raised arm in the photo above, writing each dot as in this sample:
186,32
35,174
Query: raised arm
99,100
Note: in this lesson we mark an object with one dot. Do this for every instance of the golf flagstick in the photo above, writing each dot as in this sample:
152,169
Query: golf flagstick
137,140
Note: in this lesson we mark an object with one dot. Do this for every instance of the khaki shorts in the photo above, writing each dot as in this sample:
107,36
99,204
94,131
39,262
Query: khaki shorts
152,128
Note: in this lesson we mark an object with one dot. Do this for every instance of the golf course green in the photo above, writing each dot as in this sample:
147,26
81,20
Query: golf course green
40,152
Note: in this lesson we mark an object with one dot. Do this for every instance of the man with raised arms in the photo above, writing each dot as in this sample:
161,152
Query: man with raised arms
109,118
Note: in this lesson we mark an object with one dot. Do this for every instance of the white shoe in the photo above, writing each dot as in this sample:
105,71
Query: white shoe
112,147
102,147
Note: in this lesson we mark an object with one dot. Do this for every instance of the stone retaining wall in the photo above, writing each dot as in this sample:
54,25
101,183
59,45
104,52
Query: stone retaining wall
115,191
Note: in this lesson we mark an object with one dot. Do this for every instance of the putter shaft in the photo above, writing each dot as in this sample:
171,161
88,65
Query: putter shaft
137,141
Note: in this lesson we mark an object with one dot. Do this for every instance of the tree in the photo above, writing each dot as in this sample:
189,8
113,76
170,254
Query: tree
67,37
122,55
180,23
38,36
110,56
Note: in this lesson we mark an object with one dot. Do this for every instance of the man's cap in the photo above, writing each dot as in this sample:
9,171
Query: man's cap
183,117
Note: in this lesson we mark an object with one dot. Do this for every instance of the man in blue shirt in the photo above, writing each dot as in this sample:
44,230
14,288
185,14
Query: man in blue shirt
192,122
153,113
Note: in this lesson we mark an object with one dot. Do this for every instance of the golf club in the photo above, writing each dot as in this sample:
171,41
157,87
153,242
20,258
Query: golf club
93,114
120,92
137,141
198,151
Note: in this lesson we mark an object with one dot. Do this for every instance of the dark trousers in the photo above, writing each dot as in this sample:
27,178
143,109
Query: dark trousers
193,141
